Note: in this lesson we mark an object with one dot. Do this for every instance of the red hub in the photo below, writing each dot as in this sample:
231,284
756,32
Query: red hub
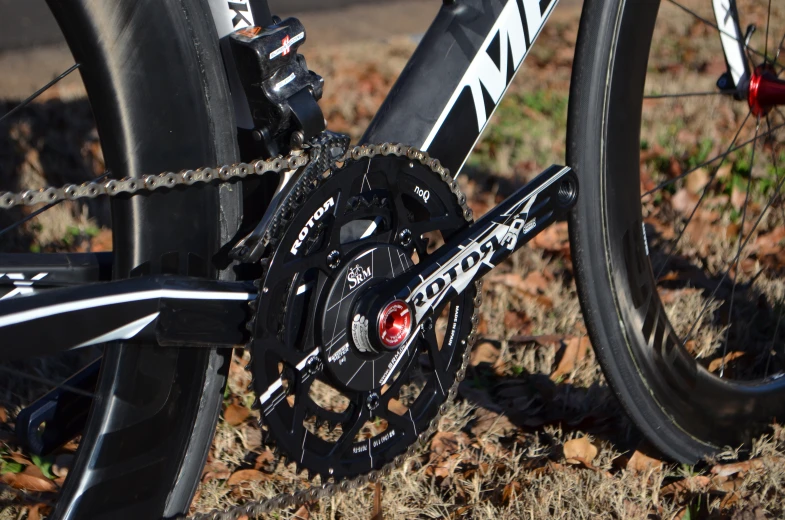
766,90
395,324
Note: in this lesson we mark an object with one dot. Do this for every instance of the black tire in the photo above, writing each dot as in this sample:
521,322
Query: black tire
155,81
684,410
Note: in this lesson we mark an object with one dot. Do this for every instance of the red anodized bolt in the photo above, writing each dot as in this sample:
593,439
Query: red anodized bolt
395,324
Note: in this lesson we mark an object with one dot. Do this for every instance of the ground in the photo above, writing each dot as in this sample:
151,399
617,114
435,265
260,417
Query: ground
535,431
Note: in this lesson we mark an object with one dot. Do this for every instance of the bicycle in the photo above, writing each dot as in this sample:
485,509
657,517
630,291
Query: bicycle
269,253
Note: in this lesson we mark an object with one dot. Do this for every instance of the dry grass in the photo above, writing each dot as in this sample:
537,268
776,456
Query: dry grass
535,384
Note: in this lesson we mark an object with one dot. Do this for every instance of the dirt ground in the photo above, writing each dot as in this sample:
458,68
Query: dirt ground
535,431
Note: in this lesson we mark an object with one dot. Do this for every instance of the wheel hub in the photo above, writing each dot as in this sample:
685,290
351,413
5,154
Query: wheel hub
766,90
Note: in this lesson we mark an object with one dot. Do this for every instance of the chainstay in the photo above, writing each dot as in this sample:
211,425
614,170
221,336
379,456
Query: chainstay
327,490
148,183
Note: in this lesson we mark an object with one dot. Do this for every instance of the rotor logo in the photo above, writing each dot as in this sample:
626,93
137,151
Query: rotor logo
358,275
318,214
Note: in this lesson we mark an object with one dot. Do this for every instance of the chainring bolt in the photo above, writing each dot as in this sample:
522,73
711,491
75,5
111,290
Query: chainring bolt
405,237
373,401
334,259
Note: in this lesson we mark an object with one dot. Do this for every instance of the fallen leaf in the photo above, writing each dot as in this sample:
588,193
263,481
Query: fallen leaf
377,503
246,475
492,423
580,451
29,482
641,463
34,471
485,352
265,460
554,239
236,414
574,352
716,364
511,491
697,180
723,172
689,484
3,415
36,510
252,438
444,444
684,202
726,470
738,197
302,513
215,469
536,281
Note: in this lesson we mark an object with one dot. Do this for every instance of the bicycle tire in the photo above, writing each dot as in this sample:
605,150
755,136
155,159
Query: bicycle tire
156,84
685,411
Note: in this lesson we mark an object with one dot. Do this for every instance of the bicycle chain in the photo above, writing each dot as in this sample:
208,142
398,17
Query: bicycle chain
131,185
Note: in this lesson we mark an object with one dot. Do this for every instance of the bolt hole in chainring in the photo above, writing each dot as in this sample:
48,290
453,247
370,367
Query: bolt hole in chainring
343,392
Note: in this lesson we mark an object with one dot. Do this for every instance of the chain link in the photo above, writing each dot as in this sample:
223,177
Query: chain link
132,185
168,180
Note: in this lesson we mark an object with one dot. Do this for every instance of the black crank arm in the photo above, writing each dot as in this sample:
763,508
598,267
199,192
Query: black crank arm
167,310
489,241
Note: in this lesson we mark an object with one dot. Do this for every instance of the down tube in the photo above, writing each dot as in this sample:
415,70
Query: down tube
458,75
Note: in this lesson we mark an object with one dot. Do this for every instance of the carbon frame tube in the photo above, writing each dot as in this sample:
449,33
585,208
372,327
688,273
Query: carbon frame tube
458,75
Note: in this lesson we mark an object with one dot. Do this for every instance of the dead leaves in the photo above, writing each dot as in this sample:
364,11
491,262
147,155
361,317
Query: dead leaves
580,451
246,475
642,463
485,352
29,482
235,414
574,352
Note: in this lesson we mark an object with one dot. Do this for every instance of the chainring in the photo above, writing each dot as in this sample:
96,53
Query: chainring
338,233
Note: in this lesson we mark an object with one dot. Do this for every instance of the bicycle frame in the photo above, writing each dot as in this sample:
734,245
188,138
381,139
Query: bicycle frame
441,104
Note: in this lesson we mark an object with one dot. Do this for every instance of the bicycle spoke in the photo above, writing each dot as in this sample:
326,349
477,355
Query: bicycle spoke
38,92
779,49
52,384
782,303
705,191
713,25
775,197
738,254
713,159
766,44
726,92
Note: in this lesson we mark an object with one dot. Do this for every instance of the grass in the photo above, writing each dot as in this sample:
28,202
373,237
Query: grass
501,446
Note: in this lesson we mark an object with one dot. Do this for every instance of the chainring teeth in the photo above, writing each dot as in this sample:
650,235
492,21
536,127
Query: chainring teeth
310,182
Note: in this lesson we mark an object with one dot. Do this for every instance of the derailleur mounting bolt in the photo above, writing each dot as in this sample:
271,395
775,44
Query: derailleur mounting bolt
334,259
373,401
405,237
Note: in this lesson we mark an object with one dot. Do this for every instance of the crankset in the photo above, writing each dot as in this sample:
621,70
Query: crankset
369,300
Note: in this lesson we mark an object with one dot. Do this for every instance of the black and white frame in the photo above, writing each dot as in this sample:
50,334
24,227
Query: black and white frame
441,104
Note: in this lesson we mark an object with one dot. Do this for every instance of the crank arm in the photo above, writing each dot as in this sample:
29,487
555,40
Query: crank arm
167,310
489,241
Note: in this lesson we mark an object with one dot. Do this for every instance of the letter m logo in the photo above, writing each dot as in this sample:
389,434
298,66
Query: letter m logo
239,8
